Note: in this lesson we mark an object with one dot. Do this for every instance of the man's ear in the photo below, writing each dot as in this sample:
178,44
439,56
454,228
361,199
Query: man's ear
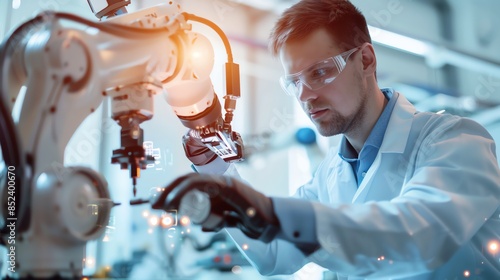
369,59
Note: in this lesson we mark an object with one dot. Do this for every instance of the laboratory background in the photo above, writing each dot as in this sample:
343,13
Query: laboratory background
443,55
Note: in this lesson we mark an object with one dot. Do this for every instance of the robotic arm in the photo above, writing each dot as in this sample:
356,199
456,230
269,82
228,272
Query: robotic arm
58,76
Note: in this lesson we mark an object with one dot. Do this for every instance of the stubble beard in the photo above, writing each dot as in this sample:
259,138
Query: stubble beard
340,124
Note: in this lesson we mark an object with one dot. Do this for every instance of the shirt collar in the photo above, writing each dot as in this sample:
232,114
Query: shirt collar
347,152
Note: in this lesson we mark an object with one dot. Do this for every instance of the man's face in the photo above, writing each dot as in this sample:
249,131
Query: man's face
339,106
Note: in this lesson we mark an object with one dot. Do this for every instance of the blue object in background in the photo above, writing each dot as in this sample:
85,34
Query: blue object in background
305,136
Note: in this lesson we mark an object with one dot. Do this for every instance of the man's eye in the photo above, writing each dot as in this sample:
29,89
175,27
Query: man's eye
320,73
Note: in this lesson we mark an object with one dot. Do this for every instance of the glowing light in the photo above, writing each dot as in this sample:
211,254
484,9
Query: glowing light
16,4
154,221
167,221
244,246
493,247
108,268
251,212
105,238
381,258
202,56
145,213
90,262
197,54
188,230
398,41
236,269
466,273
150,230
184,221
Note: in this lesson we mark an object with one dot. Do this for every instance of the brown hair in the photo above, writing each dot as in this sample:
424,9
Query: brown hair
341,19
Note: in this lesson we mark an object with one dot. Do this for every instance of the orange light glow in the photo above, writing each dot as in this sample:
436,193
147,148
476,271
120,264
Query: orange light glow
167,221
184,221
89,262
466,273
493,247
154,221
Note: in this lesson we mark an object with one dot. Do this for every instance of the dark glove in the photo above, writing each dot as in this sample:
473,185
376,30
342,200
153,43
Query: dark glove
229,203
197,152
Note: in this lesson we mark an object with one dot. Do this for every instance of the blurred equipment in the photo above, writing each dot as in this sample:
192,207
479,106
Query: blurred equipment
108,8
55,76
216,202
269,142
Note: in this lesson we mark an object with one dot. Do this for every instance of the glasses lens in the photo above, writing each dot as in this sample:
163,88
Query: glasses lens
322,73
289,85
315,76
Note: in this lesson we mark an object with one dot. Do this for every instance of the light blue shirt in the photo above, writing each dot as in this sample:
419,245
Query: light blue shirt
426,209
302,211
360,164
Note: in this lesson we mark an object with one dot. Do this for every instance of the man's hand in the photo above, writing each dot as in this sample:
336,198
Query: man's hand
220,201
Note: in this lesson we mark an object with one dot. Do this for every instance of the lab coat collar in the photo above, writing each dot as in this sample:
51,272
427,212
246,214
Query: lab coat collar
398,129
395,141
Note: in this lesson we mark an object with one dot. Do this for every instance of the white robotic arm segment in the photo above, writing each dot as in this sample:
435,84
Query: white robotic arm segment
67,72
194,93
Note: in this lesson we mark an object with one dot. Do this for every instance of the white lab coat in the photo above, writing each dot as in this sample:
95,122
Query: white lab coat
428,207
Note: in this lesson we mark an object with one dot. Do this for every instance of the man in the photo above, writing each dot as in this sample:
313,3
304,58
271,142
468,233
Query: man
406,195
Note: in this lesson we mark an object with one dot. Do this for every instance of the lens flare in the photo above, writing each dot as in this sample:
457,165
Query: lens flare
184,220
493,247
167,221
154,221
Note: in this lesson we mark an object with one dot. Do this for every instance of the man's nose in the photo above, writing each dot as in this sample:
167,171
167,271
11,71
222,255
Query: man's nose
305,93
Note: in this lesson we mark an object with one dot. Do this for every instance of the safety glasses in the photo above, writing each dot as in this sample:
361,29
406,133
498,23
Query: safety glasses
317,75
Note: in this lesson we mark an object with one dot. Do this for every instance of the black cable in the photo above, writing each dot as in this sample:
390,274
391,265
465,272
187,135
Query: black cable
112,28
217,29
109,27
9,137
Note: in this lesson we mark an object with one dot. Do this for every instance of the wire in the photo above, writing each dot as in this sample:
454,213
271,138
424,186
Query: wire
113,28
9,138
217,29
